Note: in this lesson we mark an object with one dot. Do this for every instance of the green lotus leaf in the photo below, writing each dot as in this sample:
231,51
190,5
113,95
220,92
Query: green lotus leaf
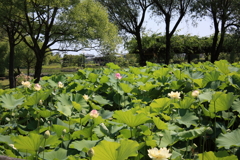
129,118
235,105
191,134
64,109
10,102
207,112
86,133
112,65
221,101
100,100
168,138
58,129
210,76
127,88
235,80
103,79
206,96
59,154
32,142
135,70
160,104
121,99
93,77
194,75
78,98
115,151
214,84
176,84
83,145
187,118
6,139
159,124
105,114
228,140
150,141
221,155
36,97
162,72
77,106
147,86
65,100
179,74
185,103
222,66
46,113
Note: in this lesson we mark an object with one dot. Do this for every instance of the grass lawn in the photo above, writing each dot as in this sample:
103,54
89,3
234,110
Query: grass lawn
4,84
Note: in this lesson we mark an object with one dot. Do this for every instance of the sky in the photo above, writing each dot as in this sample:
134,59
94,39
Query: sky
202,29
152,25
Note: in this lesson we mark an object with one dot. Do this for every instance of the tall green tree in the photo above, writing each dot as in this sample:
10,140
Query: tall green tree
129,16
224,14
10,23
172,11
73,24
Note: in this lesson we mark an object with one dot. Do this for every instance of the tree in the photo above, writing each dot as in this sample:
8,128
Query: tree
129,16
224,14
169,10
25,58
9,22
75,24
3,52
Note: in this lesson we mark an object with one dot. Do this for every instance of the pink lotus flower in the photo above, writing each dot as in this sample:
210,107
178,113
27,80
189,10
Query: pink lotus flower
94,114
37,87
195,93
118,76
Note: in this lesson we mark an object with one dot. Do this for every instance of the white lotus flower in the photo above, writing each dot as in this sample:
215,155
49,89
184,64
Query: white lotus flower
26,84
174,95
60,85
161,154
85,97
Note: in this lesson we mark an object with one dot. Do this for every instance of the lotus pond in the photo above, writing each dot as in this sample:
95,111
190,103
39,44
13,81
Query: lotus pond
179,111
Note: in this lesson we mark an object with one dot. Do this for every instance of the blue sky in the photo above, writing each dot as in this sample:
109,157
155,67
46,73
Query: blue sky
202,29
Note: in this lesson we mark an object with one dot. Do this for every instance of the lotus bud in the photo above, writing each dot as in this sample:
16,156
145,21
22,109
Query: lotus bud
90,152
40,102
209,130
46,134
64,132
194,146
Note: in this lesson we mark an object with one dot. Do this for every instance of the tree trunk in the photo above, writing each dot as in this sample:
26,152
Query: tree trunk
142,61
168,39
215,38
38,70
12,83
220,44
189,57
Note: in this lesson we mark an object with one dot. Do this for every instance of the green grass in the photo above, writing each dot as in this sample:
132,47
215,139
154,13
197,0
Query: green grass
4,84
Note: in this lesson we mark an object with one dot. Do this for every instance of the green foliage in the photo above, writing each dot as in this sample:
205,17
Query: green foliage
94,112
115,151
